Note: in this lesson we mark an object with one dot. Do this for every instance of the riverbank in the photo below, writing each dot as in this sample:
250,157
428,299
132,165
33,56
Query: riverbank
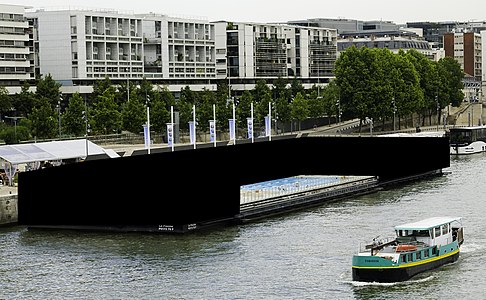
8,205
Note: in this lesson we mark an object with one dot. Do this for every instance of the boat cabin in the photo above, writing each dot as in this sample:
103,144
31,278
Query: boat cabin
433,231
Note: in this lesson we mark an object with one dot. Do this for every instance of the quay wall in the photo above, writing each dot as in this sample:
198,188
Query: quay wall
8,210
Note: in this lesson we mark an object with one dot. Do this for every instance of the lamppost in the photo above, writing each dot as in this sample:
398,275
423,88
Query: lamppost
15,125
85,117
394,107
438,107
338,104
59,114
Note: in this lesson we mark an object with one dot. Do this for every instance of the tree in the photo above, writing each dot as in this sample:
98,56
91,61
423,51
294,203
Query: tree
299,109
106,119
243,109
24,101
44,120
5,101
330,96
73,121
428,80
451,78
49,89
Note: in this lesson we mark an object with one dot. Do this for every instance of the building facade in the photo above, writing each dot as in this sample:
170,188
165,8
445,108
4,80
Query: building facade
466,49
246,52
79,46
16,47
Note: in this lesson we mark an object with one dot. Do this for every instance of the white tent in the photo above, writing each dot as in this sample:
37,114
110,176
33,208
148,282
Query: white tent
55,151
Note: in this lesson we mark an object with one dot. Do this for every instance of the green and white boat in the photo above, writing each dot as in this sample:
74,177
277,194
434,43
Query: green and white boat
418,247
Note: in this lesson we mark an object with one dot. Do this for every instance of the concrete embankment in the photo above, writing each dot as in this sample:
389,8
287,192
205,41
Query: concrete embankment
8,205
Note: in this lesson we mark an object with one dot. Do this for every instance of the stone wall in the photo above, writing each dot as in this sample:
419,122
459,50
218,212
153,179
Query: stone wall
8,210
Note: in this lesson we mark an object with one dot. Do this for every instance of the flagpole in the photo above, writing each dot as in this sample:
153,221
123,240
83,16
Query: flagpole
214,119
172,125
194,122
270,121
252,125
148,128
234,123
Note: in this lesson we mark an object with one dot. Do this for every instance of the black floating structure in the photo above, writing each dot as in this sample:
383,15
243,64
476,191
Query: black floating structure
187,189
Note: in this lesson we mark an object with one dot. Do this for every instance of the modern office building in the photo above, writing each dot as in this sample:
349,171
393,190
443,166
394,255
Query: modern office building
16,48
246,52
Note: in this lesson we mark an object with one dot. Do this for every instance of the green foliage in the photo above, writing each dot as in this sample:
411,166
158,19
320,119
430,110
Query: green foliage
73,122
44,120
49,89
105,116
299,108
133,115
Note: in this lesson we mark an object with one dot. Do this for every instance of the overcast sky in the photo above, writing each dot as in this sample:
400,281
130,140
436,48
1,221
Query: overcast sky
286,10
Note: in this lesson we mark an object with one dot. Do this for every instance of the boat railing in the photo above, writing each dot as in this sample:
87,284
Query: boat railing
377,244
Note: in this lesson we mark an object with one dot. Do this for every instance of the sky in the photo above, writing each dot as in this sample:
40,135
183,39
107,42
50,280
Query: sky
266,11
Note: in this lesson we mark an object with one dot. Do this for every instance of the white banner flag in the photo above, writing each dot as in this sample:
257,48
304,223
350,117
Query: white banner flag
212,131
232,129
250,127
170,134
146,136
192,132
267,126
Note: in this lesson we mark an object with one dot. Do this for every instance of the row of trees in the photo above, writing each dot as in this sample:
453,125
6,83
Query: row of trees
369,83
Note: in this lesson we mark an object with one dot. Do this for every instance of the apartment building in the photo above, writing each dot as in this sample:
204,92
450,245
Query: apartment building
79,46
246,52
465,48
16,59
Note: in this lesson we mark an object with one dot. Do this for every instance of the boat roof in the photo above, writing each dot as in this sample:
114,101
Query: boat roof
459,128
427,223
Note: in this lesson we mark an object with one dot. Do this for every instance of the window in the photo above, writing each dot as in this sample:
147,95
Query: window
445,229
437,231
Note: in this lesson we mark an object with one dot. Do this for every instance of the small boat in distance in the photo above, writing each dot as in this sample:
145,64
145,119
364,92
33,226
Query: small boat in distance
467,140
417,247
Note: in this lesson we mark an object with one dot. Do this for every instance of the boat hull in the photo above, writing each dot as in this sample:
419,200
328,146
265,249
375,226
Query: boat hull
396,274
475,147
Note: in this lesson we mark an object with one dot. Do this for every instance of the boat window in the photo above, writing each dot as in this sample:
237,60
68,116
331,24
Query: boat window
437,231
424,233
404,258
410,257
426,253
434,250
445,229
417,255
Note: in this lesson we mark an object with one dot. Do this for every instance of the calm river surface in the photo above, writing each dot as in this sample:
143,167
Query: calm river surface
302,255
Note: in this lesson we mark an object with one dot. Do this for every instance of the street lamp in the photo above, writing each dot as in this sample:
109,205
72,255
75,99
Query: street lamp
59,114
338,104
438,107
15,125
394,107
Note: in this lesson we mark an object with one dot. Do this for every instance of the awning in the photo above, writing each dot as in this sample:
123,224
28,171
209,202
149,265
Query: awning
51,151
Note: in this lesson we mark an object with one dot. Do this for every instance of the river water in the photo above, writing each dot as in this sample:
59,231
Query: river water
301,255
